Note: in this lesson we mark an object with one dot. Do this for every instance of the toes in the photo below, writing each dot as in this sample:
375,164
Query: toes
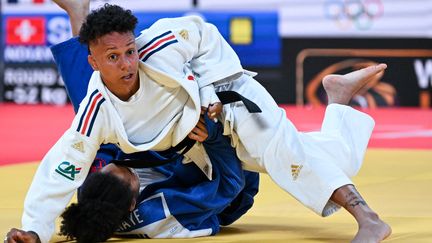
372,70
380,67
363,75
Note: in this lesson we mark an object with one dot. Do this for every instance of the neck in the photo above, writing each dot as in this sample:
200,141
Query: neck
125,93
126,96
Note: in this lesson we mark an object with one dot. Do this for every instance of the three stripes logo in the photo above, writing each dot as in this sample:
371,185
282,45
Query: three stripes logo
295,171
79,146
156,44
184,34
88,117
67,170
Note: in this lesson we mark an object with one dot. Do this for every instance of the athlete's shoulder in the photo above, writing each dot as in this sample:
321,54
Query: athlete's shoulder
171,24
90,112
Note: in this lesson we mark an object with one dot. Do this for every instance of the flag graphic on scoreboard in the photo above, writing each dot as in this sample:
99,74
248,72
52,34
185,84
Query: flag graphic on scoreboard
25,31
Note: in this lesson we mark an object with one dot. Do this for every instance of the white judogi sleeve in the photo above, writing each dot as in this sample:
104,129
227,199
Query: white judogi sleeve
175,43
64,168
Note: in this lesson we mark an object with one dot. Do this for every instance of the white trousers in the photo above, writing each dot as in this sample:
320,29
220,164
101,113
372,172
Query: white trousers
308,165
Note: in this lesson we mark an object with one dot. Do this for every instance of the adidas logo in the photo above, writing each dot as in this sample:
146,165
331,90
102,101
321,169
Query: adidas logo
295,171
79,146
184,34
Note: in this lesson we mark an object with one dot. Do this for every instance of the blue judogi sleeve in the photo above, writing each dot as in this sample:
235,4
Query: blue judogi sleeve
71,59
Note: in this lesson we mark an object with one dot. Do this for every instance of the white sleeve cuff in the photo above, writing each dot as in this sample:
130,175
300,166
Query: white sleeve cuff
208,95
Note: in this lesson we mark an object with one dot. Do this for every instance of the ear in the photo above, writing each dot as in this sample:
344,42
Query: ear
132,207
92,62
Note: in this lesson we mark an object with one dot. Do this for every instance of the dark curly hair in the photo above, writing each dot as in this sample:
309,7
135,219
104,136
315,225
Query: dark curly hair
107,19
103,203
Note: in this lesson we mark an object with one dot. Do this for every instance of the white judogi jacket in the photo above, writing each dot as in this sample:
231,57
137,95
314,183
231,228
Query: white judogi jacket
169,50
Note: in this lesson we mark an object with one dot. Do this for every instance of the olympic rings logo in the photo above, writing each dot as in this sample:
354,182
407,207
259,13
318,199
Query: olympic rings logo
361,13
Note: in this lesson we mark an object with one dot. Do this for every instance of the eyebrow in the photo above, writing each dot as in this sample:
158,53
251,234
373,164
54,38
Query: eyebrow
114,48
131,42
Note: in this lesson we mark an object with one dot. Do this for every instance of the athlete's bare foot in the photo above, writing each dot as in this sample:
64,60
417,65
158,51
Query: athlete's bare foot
77,11
371,228
372,231
341,88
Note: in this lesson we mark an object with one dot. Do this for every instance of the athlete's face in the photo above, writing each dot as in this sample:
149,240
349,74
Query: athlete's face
115,56
125,174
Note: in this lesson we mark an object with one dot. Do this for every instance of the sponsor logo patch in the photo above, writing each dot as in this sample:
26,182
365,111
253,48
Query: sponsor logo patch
68,170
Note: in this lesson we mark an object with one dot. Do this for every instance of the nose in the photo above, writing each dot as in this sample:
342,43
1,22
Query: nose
125,63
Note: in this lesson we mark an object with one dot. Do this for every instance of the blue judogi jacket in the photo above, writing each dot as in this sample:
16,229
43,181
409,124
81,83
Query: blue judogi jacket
188,201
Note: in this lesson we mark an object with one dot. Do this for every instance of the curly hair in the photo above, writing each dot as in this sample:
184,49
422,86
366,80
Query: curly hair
105,20
103,203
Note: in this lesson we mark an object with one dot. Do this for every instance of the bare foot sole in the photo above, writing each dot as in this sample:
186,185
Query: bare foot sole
341,88
372,232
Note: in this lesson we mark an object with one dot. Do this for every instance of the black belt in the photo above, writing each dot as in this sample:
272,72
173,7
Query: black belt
135,160
227,97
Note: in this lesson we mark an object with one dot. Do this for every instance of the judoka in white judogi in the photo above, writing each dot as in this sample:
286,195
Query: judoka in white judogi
185,60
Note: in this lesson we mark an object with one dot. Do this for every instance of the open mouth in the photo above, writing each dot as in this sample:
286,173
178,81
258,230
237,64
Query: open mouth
129,76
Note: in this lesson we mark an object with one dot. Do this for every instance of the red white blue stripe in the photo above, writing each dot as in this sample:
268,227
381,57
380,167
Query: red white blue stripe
89,115
156,44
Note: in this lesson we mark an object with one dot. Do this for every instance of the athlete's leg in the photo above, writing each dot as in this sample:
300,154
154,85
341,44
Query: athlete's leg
370,227
304,164
340,89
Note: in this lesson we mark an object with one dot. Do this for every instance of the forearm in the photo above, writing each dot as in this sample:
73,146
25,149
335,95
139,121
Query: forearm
76,20
77,12
47,196
60,173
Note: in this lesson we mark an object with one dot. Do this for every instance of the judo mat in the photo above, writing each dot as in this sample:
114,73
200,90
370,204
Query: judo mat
395,180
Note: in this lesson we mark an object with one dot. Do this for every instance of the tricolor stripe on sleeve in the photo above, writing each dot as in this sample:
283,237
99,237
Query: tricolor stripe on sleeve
156,44
91,110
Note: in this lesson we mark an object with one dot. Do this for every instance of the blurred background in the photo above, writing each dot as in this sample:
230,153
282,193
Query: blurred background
292,44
